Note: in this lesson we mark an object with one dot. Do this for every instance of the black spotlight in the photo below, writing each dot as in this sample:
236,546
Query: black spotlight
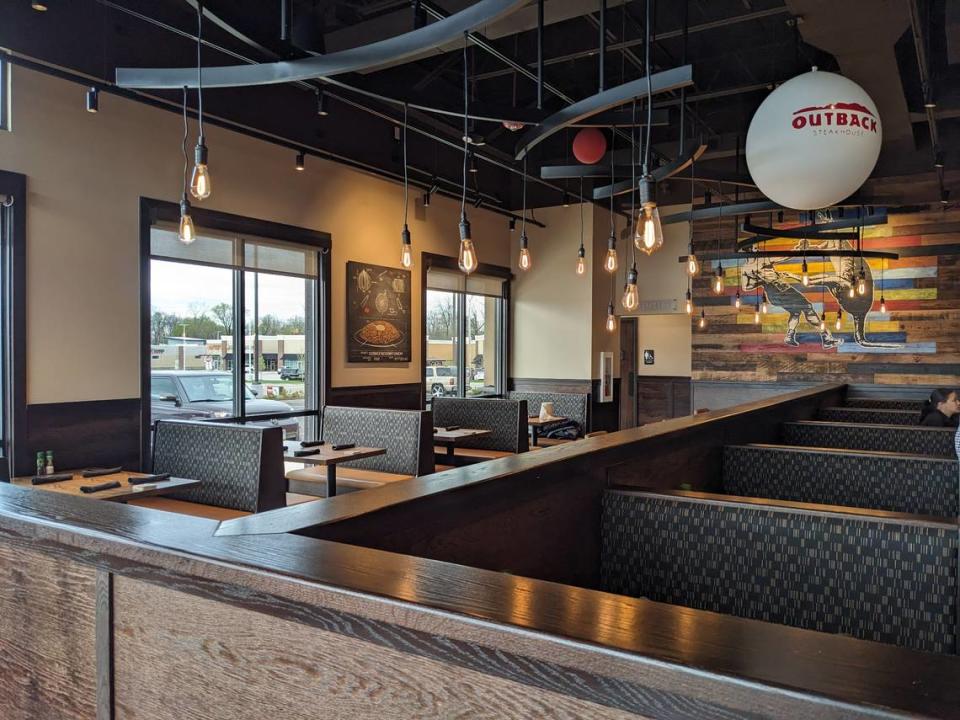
93,100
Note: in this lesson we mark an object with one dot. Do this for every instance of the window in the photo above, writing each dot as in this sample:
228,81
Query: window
4,94
234,325
15,453
464,328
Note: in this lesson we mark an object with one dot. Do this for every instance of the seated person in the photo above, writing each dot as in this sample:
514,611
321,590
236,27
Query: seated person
940,409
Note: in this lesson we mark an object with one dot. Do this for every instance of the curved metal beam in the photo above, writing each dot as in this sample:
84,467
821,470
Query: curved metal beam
661,173
716,210
672,79
365,57
803,232
792,253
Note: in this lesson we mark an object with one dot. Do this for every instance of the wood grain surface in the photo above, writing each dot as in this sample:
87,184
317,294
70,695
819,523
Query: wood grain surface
48,663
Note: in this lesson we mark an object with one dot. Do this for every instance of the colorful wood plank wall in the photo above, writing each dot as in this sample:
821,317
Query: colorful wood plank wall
916,341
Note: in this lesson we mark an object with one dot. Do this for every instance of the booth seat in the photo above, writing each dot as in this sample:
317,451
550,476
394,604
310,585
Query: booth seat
505,418
574,406
240,468
886,577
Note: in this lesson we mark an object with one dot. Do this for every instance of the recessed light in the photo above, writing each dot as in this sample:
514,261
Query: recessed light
39,6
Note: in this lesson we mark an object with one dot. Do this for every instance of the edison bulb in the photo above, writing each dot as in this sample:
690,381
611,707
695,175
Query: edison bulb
703,320
839,320
883,304
406,256
200,186
805,278
718,283
852,292
862,286
525,261
823,325
187,232
467,259
610,262
693,267
631,296
581,265
611,320
649,235
689,304
756,317
764,306
737,302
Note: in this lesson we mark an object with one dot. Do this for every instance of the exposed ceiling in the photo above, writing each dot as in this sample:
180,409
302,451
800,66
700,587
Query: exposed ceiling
740,50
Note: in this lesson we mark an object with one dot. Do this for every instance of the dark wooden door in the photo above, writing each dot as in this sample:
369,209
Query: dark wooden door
628,373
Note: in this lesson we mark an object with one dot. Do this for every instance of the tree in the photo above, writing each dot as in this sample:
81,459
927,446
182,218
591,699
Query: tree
269,325
441,314
293,326
162,326
223,314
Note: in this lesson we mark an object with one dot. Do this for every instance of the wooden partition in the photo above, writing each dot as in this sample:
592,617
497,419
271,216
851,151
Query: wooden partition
538,514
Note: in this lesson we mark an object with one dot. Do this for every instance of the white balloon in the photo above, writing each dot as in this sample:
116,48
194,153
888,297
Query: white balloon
813,141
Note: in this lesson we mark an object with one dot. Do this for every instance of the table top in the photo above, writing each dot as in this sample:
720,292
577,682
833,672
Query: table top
442,435
325,455
535,420
126,491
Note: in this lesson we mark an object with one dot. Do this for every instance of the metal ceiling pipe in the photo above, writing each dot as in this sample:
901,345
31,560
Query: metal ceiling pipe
919,43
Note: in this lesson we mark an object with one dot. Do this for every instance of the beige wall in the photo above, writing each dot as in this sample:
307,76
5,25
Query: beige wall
669,336
552,305
86,174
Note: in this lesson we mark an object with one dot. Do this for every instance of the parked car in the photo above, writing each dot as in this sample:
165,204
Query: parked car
291,372
192,394
441,380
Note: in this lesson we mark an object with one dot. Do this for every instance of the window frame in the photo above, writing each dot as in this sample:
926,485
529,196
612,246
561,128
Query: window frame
13,326
6,107
154,211
444,262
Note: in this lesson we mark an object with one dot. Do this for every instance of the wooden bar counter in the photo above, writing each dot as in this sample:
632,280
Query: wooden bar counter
110,611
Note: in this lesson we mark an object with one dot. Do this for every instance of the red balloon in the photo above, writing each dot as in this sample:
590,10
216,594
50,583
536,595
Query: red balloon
589,145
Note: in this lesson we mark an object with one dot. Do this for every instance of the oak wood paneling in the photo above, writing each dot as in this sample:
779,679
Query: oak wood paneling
48,658
662,397
226,663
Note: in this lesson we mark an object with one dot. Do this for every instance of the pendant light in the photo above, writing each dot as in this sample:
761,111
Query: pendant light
611,319
525,261
200,186
649,232
764,306
718,280
883,303
839,318
862,282
689,303
631,295
805,277
862,277
823,324
852,290
581,252
467,258
186,231
756,310
406,247
823,302
737,301
703,319
610,262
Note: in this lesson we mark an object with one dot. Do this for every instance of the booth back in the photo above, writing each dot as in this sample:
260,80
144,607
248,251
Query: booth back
878,578
507,419
915,484
239,467
879,404
877,416
407,436
574,406
863,436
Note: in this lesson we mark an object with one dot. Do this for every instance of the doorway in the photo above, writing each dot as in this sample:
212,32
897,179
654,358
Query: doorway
628,372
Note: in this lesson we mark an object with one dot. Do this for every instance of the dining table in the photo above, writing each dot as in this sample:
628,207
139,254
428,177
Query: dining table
451,438
536,425
327,456
118,486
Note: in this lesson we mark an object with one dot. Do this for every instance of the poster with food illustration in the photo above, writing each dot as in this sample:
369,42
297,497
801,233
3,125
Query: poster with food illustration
378,313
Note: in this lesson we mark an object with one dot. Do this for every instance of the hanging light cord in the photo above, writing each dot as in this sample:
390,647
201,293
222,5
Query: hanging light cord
581,211
466,110
183,145
633,176
523,220
613,144
405,184
199,68
646,43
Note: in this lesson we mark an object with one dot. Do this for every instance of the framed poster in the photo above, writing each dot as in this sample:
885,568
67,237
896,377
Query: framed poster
606,377
378,313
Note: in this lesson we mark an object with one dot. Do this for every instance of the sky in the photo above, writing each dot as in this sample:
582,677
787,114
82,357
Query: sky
182,289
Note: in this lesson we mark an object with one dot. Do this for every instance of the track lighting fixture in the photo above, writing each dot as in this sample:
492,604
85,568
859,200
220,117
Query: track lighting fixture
473,163
566,199
631,296
301,161
512,224
200,185
426,199
938,159
93,100
323,108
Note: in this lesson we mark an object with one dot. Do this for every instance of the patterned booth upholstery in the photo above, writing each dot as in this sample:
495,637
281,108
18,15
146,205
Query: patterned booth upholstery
878,404
892,580
876,416
240,466
877,480
862,436
575,406
406,435
506,418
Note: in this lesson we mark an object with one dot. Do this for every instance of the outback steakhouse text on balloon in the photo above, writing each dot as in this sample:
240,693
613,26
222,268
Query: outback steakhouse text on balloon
836,118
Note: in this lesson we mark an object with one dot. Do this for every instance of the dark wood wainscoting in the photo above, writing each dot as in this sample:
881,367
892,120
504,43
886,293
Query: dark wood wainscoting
407,396
662,397
603,416
101,433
